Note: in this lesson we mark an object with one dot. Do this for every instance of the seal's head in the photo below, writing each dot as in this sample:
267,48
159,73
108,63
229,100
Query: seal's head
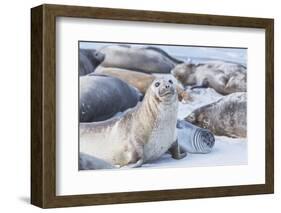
164,90
183,73
98,56
198,119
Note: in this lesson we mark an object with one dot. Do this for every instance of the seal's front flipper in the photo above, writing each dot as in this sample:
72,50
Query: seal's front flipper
175,151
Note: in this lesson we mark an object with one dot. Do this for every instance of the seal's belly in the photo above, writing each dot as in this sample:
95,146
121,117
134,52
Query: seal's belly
162,137
109,145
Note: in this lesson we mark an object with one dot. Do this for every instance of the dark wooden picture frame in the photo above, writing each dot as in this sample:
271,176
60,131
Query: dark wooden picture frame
43,105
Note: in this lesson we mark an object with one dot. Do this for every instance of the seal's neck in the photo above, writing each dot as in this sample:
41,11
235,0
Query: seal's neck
150,108
147,114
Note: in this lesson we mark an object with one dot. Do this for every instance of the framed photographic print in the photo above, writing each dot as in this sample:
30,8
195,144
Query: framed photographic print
137,106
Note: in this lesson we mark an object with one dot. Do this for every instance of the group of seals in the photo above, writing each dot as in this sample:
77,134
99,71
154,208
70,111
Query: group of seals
227,116
142,134
115,79
101,97
139,80
225,78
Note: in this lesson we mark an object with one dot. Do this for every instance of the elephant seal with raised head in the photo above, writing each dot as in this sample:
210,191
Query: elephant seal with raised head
141,134
142,59
101,97
226,117
225,78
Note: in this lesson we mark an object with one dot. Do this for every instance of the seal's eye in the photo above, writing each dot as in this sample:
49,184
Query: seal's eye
157,84
170,81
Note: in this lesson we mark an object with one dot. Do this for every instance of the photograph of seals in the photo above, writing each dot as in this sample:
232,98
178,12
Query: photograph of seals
146,106
101,97
225,78
227,116
142,134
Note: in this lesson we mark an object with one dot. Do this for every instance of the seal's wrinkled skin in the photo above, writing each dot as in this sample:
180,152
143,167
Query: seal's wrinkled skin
142,134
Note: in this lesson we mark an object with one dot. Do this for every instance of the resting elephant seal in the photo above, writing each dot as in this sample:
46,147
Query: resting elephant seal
101,97
139,80
142,134
225,78
89,59
227,116
194,139
142,59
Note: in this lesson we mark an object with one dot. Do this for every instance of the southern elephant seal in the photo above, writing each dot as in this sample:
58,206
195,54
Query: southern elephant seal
141,134
142,59
225,78
139,80
227,116
101,97
89,59
194,139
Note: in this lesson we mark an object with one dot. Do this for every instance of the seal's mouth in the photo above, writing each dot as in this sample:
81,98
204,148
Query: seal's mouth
167,93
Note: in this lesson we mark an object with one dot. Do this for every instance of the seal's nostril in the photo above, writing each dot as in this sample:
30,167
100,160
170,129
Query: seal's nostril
167,86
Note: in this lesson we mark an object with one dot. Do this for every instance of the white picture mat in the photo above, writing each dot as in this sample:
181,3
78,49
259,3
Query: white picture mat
69,181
